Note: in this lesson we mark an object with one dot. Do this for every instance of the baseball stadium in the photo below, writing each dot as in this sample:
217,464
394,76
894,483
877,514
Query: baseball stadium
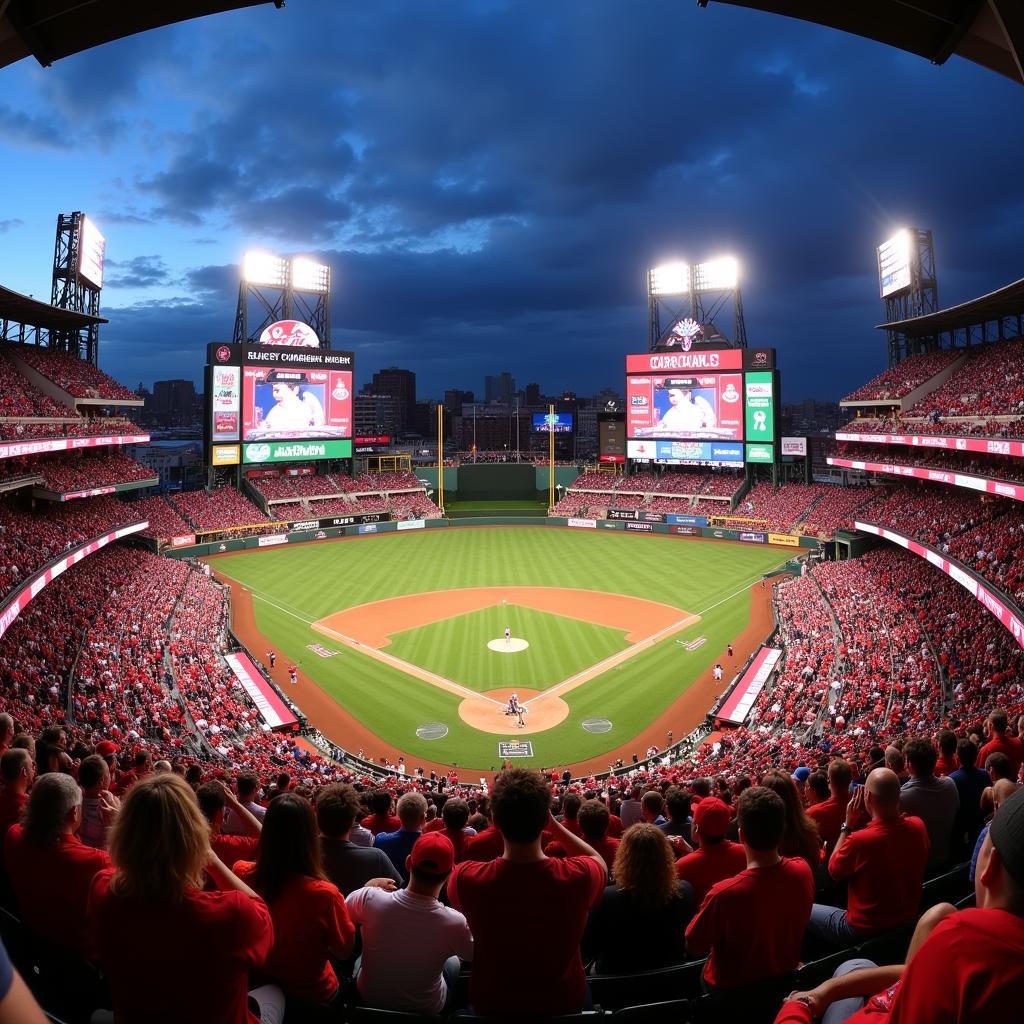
656,703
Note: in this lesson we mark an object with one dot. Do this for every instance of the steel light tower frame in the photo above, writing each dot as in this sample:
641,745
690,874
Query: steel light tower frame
919,298
283,289
70,290
705,292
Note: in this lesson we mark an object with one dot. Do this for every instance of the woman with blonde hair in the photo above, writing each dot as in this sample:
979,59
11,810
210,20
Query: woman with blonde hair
171,951
641,921
800,838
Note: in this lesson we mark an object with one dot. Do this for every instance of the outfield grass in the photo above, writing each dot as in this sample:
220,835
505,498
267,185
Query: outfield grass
295,586
457,648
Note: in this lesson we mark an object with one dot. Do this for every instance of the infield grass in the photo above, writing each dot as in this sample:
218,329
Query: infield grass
457,648
295,586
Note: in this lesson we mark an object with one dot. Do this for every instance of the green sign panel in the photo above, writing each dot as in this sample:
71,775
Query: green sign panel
265,452
760,407
760,453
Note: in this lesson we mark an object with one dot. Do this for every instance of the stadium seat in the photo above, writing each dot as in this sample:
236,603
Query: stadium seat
812,974
888,948
366,1015
17,941
67,983
946,888
755,1004
671,1011
615,991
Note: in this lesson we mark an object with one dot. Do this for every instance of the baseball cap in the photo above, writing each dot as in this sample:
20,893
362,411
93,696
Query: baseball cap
433,854
712,816
1007,832
105,748
802,773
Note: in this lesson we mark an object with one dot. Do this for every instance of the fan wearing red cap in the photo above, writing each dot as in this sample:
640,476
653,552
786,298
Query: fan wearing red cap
412,944
716,858
965,965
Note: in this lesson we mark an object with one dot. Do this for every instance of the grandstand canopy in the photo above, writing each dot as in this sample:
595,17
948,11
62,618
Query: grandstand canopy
1004,302
23,309
51,29
987,32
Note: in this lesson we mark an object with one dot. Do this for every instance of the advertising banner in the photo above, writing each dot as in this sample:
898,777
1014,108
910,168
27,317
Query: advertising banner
293,333
622,513
303,525
685,531
794,446
183,541
226,454
268,703
583,524
984,445
749,686
672,362
784,540
760,453
225,402
272,541
294,451
678,520
642,527
754,538
411,524
17,449
760,407
937,476
687,453
1009,615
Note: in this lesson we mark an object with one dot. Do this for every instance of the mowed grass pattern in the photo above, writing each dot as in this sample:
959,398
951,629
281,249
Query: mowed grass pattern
457,648
297,585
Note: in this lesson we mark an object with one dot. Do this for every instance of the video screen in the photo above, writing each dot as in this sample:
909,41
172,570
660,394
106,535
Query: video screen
687,453
696,406
281,403
552,422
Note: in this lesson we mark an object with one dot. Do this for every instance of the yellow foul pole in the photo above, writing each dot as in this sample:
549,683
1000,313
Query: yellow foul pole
440,457
551,458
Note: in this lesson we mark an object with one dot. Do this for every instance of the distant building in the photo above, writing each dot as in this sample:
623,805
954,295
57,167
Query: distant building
500,388
454,399
179,465
401,385
374,414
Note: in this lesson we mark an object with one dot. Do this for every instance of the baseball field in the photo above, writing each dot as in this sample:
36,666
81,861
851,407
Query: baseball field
400,638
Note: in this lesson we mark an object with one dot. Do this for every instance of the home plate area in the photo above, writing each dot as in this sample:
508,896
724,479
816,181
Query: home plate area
512,645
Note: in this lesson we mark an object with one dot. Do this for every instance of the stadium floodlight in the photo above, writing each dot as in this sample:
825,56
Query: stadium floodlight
894,263
310,276
716,275
264,268
669,279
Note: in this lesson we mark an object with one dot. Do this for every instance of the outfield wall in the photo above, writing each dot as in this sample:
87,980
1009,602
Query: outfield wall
402,525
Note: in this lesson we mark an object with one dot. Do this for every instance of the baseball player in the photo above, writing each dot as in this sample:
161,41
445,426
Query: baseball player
271,657
508,636
293,675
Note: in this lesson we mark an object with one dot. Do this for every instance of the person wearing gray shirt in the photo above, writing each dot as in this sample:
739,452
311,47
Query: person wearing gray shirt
934,800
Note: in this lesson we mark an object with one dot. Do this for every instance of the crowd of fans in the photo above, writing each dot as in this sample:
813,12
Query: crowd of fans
992,467
936,424
904,377
990,383
220,509
72,375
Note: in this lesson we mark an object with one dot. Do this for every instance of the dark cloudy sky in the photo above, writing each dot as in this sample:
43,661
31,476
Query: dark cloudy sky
490,180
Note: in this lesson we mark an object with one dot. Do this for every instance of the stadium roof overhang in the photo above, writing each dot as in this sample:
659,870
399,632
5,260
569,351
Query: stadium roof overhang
52,29
1004,302
23,309
987,32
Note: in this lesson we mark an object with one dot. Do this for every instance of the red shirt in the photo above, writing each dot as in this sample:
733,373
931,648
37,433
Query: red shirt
510,976
885,864
604,846
12,806
485,845
184,960
946,765
310,919
232,848
753,924
52,885
829,816
378,823
710,865
971,968
1008,745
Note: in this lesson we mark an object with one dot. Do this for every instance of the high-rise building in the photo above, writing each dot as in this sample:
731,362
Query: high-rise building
454,399
401,385
174,402
373,415
500,388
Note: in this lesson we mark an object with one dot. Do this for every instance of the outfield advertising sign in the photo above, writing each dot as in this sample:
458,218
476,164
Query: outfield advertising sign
585,524
784,540
294,451
760,453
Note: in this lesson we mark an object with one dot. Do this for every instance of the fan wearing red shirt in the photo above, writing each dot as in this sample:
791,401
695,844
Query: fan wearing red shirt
311,921
380,819
214,797
50,868
170,951
593,820
716,858
17,770
1001,743
751,926
947,762
964,966
524,889
883,862
830,814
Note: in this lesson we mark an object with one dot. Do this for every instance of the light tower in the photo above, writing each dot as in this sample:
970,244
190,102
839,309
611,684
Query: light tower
909,288
696,302
283,289
78,254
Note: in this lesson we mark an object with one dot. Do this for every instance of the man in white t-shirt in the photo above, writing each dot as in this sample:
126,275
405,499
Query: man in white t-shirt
412,943
686,414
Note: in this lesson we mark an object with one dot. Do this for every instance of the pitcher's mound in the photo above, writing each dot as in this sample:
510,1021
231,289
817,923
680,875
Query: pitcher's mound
510,646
